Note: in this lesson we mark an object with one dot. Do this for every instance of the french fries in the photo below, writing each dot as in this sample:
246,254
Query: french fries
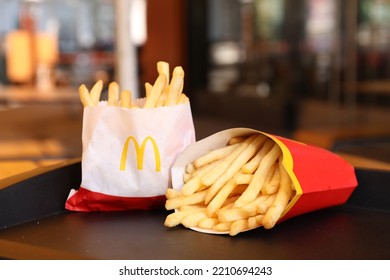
165,91
113,94
235,188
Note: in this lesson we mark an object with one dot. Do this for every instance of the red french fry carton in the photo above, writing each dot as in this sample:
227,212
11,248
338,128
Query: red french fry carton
321,178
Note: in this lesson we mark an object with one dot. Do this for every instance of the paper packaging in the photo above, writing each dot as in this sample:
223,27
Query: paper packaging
321,178
128,154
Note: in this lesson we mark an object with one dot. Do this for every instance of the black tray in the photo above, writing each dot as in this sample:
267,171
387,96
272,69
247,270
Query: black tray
35,225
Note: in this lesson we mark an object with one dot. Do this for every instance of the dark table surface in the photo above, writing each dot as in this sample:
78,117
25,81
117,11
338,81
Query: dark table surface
34,225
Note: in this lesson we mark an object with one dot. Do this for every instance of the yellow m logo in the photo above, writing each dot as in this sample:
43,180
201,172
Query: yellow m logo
139,152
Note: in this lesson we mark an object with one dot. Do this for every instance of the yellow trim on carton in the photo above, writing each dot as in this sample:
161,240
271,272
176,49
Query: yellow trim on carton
288,163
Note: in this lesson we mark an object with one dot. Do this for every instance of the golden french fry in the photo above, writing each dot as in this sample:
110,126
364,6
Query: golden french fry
255,221
163,68
269,176
209,178
171,193
218,200
175,86
243,179
254,163
85,98
183,98
238,226
251,208
253,144
193,219
265,205
176,202
213,155
113,94
186,177
233,214
125,99
194,183
281,200
208,223
236,139
190,168
273,185
175,218
271,172
192,206
155,93
201,170
163,96
96,92
148,89
222,227
257,182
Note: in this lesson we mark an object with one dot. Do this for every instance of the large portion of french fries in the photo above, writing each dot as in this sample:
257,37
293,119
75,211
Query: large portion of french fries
163,92
238,187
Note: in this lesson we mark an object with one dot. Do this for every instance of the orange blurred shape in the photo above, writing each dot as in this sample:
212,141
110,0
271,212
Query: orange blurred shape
20,68
46,49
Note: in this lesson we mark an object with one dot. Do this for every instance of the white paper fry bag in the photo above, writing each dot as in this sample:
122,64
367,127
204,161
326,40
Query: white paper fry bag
128,154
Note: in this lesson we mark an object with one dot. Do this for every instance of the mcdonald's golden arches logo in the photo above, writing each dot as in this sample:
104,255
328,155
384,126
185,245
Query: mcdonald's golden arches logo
140,152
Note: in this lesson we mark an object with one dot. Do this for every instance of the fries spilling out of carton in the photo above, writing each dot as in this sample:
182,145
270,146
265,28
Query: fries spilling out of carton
233,188
240,179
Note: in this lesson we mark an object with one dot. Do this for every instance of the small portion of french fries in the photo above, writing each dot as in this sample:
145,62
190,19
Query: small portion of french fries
238,187
163,92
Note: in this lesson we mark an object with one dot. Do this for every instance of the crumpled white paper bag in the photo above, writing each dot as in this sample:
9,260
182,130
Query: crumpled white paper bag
128,154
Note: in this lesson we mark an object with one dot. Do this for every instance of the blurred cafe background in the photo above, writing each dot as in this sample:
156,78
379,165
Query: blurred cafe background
317,71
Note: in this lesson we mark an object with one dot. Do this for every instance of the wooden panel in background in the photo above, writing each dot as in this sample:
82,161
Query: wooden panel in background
166,28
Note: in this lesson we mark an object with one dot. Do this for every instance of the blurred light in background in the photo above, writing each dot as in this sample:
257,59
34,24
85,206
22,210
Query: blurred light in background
225,53
138,22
